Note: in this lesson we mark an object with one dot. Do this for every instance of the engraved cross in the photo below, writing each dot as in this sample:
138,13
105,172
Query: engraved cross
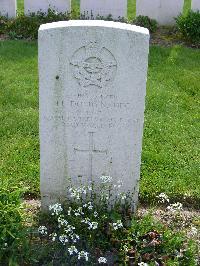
91,150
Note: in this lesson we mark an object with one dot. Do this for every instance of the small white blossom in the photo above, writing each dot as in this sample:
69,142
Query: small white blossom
95,214
104,196
72,250
56,209
84,255
74,238
79,211
89,188
162,198
102,260
142,264
69,211
193,231
77,192
117,225
85,221
122,196
42,230
62,222
54,235
69,229
90,206
63,239
106,179
92,225
176,207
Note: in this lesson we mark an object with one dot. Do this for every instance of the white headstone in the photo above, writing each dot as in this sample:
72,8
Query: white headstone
92,97
33,6
164,11
117,8
196,5
8,8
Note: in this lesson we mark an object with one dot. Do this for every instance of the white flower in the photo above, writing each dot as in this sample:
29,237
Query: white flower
54,235
90,207
193,231
162,197
102,260
92,225
79,211
176,207
74,238
72,250
89,188
56,209
142,264
95,214
122,196
117,225
83,254
69,211
106,179
69,229
62,221
63,239
85,221
77,192
42,230
5,244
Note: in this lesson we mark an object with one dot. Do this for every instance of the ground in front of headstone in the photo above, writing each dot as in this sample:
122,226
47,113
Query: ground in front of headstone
168,37
168,234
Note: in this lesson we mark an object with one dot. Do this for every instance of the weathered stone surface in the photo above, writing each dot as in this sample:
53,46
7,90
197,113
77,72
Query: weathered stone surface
8,8
117,8
92,98
31,6
196,5
164,11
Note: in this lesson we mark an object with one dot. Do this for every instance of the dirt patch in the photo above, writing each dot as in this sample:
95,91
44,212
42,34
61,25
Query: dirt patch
164,36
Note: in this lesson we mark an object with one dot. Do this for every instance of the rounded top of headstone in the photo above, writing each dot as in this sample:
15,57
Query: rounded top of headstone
94,23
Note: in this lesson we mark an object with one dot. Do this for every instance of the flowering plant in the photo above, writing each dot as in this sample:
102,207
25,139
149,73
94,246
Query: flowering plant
88,220
96,226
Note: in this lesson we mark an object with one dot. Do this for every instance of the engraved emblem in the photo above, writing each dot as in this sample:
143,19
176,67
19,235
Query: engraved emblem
93,65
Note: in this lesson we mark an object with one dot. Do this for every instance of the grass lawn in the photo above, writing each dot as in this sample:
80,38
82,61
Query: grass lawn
170,150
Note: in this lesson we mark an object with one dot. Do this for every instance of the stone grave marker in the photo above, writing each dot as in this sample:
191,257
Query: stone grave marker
196,5
117,8
8,8
33,6
164,11
92,97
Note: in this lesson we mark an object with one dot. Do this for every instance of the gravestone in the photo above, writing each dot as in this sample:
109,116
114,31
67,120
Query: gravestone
117,8
196,5
33,6
8,8
92,97
164,11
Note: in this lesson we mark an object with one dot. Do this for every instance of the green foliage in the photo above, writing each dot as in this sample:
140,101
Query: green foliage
94,225
146,22
11,221
189,26
26,27
3,24
151,241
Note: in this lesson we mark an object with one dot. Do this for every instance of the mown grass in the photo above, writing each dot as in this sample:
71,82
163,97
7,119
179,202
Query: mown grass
170,150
